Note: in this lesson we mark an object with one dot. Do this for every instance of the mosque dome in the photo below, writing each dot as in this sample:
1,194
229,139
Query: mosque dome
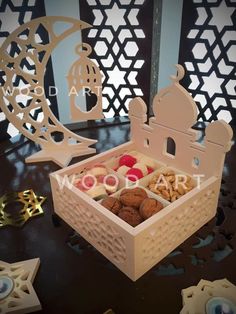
219,132
174,107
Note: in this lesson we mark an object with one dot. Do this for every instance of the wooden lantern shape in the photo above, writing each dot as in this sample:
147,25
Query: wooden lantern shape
85,76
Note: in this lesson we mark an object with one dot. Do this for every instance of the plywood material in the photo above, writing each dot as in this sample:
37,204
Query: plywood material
22,298
175,114
30,49
196,298
84,76
135,250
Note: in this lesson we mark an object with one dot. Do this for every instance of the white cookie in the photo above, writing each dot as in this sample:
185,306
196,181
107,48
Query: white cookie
97,171
142,167
123,170
147,161
97,192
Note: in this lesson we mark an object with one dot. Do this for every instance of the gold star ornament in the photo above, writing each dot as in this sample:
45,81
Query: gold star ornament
31,207
17,294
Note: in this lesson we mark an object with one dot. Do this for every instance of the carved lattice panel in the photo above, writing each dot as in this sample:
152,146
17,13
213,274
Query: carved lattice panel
122,38
12,14
208,51
92,226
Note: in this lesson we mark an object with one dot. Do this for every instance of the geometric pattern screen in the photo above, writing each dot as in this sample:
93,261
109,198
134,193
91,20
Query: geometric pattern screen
208,51
121,37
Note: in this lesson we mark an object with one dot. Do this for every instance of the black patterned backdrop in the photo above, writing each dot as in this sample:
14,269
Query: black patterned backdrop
208,52
122,41
12,14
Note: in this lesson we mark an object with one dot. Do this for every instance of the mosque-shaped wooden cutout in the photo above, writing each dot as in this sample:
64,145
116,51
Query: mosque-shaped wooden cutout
175,112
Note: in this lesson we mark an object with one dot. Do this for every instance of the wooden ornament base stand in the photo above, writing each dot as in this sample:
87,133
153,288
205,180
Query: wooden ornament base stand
60,156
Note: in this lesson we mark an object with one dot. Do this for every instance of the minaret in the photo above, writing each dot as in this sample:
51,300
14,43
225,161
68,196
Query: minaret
138,117
217,143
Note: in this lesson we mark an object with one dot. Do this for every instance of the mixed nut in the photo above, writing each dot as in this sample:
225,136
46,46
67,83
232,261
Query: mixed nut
170,186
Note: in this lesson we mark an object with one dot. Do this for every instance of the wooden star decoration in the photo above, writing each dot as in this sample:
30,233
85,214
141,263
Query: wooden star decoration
31,207
17,294
208,295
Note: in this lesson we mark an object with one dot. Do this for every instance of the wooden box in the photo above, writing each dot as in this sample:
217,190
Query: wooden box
135,250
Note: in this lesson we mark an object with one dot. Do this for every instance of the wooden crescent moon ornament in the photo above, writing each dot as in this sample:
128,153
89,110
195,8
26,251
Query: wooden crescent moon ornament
24,47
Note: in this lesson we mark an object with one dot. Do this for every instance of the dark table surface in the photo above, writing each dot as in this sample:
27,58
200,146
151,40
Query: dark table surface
75,278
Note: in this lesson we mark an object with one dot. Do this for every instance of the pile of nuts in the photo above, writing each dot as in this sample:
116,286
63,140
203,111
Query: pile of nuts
133,205
170,186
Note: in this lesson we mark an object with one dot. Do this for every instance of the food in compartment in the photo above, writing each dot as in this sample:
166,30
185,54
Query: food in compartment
135,167
170,185
113,204
134,174
97,170
123,170
133,205
130,215
96,182
97,192
149,207
149,162
133,197
127,160
142,167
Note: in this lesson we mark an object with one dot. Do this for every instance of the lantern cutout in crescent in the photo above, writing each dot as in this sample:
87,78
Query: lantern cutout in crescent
84,76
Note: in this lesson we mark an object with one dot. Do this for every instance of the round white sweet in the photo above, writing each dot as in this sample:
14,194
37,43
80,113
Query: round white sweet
147,161
97,191
97,171
141,167
123,170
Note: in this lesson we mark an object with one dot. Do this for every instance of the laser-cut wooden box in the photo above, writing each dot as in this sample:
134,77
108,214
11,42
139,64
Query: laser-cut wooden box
135,250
